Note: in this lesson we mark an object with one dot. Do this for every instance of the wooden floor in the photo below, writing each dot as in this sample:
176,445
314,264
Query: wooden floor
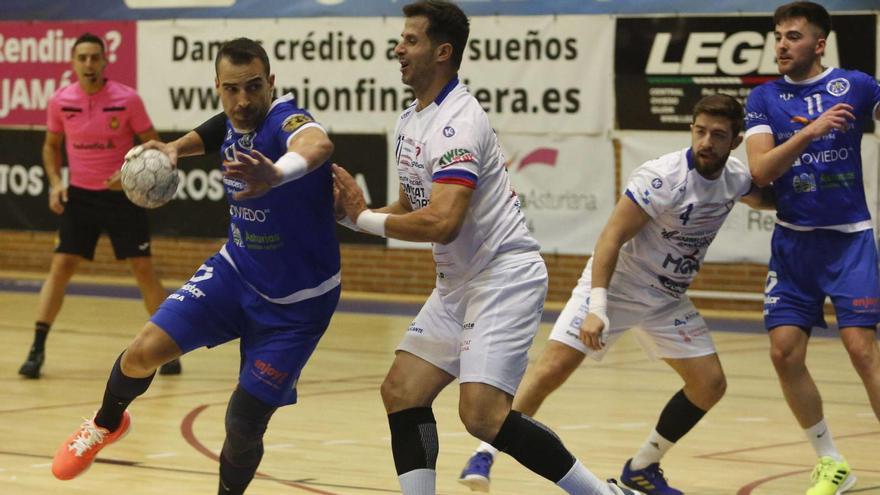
336,441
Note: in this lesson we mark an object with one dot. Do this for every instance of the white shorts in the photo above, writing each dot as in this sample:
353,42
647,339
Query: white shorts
482,331
665,327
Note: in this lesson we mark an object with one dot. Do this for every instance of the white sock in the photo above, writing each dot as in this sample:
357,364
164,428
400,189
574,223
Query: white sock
487,447
819,436
654,448
418,482
579,480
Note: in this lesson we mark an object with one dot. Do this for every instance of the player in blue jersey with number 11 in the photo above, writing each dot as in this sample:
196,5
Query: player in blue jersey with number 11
269,286
803,134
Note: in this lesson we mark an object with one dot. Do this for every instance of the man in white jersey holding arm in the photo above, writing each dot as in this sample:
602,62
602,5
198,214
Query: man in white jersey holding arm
803,135
653,245
481,318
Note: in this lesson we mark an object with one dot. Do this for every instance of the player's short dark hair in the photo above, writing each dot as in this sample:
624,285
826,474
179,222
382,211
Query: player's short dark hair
88,38
242,51
446,24
724,106
814,13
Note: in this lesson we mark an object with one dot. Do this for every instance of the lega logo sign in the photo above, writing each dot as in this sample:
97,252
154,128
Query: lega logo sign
710,53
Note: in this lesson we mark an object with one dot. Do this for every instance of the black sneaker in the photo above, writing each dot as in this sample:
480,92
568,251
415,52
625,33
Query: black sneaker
33,363
171,367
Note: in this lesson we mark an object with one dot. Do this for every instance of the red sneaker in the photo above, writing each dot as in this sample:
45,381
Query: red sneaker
77,453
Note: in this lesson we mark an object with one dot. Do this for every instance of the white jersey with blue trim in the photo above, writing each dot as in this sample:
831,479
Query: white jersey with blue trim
451,141
824,187
686,210
283,244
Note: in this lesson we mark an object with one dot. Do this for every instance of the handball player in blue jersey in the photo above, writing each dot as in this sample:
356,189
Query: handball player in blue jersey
269,286
803,135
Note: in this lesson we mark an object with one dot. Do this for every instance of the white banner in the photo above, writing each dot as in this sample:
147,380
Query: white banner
745,236
565,185
531,73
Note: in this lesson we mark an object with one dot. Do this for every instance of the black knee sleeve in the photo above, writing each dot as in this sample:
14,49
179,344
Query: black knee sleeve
246,420
678,417
414,439
534,445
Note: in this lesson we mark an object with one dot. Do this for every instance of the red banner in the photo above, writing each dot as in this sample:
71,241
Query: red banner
35,62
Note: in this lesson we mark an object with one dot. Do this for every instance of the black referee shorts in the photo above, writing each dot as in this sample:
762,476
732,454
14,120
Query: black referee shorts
88,213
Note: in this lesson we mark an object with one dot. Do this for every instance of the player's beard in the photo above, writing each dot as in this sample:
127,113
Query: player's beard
711,167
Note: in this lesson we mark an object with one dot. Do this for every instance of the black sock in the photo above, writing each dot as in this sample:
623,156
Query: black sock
414,443
678,417
534,446
41,331
246,420
118,394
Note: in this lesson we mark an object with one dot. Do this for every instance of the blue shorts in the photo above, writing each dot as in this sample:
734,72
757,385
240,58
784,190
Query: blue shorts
807,266
216,306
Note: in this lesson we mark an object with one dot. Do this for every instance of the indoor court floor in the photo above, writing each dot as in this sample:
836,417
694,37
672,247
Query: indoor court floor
336,440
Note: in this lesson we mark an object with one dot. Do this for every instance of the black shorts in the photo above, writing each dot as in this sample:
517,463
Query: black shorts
88,213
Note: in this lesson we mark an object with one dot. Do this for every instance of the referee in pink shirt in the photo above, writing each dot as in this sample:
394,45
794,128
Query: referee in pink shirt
98,120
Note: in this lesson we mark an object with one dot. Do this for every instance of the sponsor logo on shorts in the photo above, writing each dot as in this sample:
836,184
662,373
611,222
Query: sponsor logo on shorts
193,290
176,297
468,326
866,302
414,328
266,370
688,335
466,345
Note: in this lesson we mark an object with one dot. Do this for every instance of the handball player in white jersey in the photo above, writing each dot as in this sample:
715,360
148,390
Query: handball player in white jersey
479,321
653,245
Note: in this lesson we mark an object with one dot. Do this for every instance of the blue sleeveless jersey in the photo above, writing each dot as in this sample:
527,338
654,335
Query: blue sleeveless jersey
283,243
824,187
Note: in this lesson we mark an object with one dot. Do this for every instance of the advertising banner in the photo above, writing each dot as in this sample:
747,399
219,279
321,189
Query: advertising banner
664,65
35,61
532,74
745,236
199,209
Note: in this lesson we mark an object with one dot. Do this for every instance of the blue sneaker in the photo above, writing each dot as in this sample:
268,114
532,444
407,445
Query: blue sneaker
649,480
475,474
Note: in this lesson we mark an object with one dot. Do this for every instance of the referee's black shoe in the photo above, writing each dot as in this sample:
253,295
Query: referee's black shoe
33,363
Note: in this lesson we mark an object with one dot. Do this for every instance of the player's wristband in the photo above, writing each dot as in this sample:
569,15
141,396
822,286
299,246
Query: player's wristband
346,222
599,304
598,300
372,222
292,166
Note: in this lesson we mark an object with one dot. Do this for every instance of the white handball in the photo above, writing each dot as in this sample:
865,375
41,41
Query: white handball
148,178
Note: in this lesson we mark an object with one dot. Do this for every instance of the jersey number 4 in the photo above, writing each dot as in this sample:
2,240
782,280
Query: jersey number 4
687,214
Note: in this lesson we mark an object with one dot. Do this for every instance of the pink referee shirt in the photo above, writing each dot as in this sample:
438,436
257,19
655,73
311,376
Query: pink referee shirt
98,129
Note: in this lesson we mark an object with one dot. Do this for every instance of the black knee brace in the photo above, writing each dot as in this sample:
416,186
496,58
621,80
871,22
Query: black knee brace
246,420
